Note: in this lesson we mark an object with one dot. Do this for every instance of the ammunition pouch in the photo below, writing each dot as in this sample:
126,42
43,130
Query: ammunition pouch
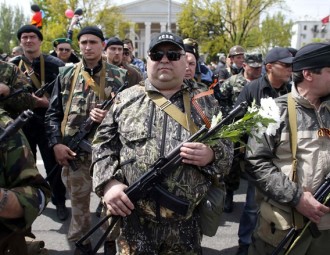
274,223
210,209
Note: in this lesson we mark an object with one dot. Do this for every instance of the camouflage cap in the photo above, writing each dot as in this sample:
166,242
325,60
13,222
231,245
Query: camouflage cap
236,50
253,59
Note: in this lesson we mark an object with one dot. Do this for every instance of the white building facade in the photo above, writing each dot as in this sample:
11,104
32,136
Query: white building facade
308,31
148,17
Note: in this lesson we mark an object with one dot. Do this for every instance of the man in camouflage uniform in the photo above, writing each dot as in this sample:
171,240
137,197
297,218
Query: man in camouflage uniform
229,92
12,80
114,52
24,193
78,91
135,133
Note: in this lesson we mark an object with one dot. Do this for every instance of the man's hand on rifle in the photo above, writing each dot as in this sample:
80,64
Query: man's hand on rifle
97,115
311,208
63,154
197,154
41,102
116,199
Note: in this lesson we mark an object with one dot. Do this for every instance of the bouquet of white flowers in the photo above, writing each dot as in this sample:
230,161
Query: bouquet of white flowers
256,121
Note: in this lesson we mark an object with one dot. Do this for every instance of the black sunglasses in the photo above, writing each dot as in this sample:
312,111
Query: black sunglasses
126,53
171,55
64,49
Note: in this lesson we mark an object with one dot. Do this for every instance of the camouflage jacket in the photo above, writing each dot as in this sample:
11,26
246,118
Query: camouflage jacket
229,91
12,76
19,173
136,132
84,99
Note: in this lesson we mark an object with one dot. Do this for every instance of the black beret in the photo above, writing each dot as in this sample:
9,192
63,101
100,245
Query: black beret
312,56
166,37
29,29
113,41
191,49
93,30
35,8
61,40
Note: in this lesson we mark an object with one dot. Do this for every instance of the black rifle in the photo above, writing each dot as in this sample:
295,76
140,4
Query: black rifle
78,140
17,124
39,93
320,195
149,183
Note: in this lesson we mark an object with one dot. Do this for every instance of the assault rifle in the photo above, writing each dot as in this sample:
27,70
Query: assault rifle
78,140
149,183
39,92
17,124
320,195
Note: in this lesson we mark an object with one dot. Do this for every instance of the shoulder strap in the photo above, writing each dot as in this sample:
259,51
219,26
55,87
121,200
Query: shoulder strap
165,105
297,218
68,104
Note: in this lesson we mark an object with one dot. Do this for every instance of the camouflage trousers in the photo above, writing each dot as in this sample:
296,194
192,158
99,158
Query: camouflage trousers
79,187
140,236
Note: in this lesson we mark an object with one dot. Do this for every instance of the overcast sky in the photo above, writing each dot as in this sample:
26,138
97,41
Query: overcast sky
300,9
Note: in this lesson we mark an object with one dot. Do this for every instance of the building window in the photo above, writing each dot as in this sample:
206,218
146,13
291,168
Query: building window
305,27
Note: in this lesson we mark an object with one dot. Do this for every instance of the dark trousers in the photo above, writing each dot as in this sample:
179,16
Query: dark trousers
35,133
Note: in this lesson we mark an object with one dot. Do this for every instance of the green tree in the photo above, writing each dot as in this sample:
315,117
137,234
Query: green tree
275,31
220,24
95,12
11,19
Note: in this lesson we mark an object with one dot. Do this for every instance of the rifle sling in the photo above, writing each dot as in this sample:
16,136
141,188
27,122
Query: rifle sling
184,119
32,75
68,104
297,218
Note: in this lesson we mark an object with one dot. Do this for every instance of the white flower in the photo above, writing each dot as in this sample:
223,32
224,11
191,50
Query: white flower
216,119
257,121
269,109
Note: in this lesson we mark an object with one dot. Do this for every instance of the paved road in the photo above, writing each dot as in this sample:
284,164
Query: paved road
48,228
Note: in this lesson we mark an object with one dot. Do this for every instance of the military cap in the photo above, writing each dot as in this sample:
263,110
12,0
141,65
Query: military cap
93,30
236,50
29,29
312,56
253,59
191,46
166,37
113,41
61,40
279,54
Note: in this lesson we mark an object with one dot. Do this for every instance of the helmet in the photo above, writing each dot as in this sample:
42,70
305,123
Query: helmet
236,50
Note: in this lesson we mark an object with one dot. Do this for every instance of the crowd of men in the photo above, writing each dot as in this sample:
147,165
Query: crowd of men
163,104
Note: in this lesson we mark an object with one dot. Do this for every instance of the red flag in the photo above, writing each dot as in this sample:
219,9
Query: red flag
325,20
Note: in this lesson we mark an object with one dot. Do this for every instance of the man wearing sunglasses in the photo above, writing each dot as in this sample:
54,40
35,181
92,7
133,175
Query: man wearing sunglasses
63,50
137,131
